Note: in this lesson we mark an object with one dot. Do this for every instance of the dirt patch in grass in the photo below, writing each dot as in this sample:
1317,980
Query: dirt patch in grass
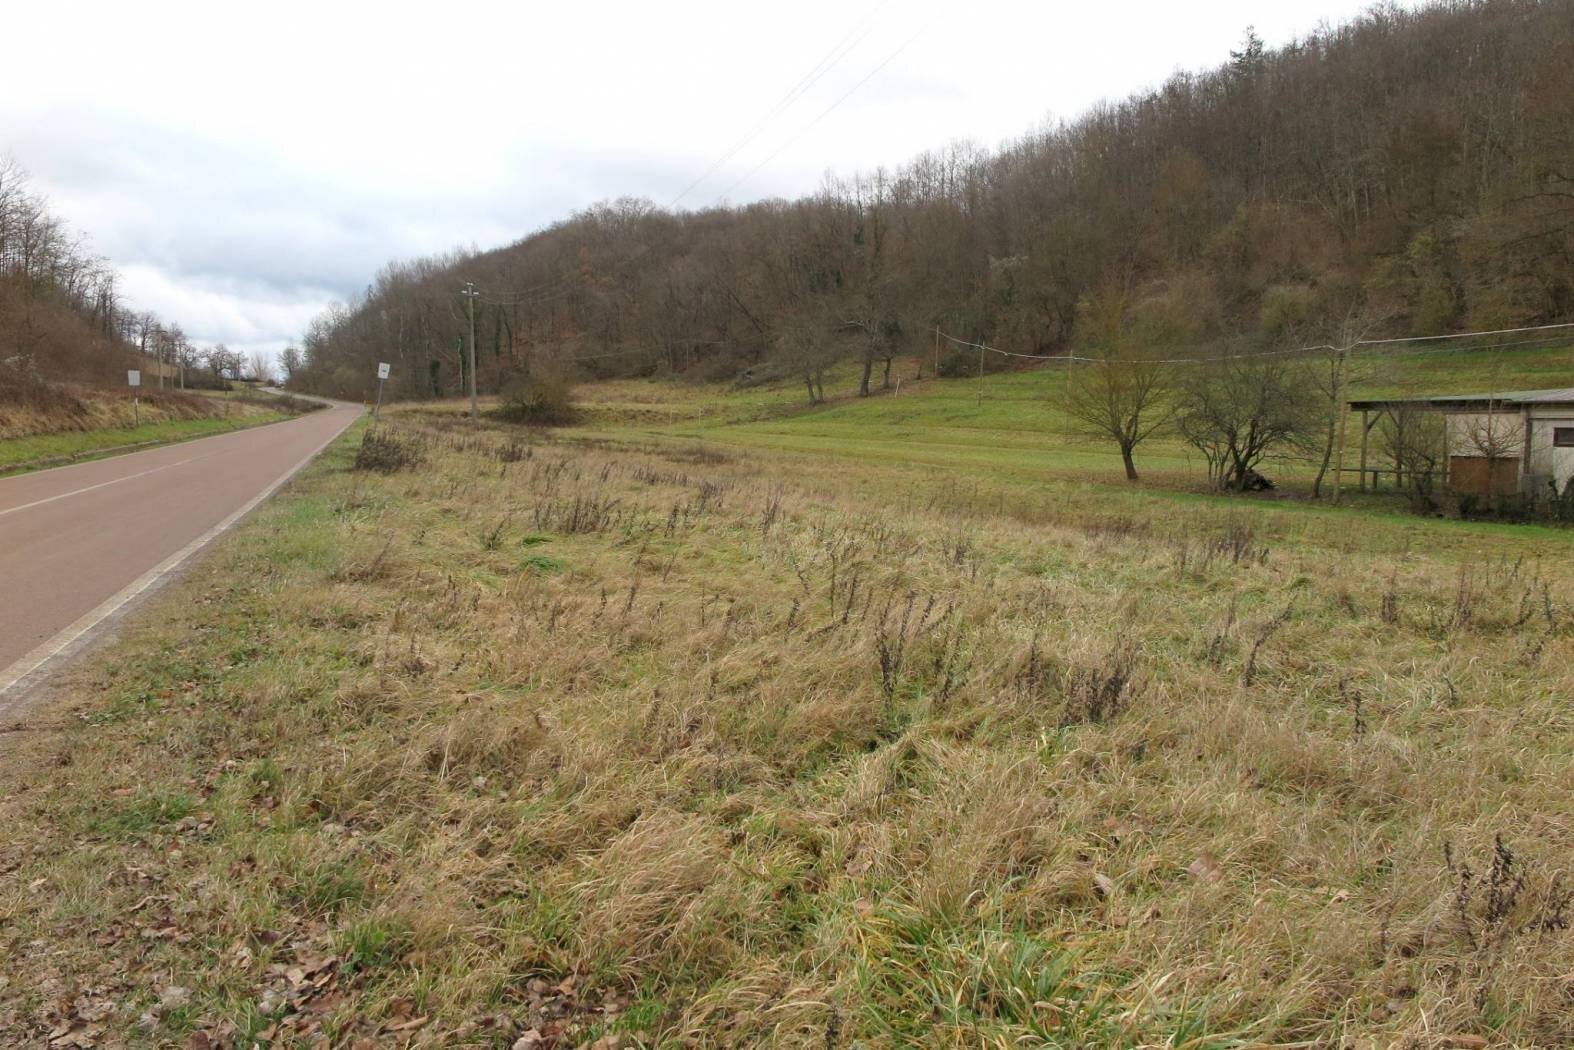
560,743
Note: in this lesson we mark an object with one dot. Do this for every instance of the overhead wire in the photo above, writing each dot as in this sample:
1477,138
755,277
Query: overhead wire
829,109
1317,348
828,62
523,301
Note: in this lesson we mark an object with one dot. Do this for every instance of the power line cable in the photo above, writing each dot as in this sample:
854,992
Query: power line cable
1542,341
1464,335
525,301
828,110
830,61
529,294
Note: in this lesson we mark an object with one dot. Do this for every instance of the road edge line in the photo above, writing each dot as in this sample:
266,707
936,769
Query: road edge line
41,655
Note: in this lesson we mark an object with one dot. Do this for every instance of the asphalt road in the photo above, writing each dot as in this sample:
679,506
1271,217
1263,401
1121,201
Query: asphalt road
79,543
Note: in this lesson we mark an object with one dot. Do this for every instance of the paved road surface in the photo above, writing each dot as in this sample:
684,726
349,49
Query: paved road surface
77,543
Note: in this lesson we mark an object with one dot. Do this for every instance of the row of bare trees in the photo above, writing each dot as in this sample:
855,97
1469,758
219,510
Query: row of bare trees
1416,165
1236,409
1238,406
62,315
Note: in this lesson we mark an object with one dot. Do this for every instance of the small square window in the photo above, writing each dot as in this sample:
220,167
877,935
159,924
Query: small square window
1563,437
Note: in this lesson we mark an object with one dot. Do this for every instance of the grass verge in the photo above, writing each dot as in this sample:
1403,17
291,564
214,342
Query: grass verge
47,450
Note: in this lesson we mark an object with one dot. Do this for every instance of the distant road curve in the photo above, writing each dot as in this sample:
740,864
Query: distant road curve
80,543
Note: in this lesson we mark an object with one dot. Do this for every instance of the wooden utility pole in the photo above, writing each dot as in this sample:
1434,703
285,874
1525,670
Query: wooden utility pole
470,293
980,377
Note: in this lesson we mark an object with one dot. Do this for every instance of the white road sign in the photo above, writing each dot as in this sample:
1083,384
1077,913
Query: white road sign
133,377
382,370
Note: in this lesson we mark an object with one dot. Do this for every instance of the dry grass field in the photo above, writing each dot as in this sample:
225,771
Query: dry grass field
629,738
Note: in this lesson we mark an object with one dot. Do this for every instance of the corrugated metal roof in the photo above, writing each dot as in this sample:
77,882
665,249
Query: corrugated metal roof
1554,396
1523,397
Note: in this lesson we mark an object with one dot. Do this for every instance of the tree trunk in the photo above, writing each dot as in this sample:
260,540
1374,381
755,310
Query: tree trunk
863,384
808,381
1322,468
1131,467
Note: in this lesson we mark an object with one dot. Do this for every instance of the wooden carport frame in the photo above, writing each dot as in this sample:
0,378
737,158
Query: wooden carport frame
1372,413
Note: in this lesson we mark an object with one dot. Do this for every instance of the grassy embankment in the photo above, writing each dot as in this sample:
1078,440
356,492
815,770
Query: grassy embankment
805,742
82,422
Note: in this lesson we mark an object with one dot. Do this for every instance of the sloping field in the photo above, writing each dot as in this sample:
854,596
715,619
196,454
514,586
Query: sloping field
1012,424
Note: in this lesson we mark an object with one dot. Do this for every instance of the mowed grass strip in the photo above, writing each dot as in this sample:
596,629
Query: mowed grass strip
682,745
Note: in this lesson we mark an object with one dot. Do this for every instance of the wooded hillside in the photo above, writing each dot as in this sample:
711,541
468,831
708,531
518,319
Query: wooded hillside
62,314
1415,166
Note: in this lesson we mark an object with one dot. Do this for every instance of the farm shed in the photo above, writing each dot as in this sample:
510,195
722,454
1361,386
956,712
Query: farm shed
1497,444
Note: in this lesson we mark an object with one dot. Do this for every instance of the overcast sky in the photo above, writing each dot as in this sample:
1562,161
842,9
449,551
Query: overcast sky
244,166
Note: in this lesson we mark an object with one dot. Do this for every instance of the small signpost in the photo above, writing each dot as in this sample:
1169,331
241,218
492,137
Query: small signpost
134,381
382,374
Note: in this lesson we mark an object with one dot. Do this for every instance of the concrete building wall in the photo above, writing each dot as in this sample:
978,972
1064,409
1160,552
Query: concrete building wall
1545,458
1485,433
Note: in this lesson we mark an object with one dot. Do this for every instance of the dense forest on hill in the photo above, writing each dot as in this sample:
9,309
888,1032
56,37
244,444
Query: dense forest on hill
62,314
1415,167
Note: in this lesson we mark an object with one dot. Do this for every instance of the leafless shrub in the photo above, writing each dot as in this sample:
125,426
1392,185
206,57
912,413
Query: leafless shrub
540,401
494,536
1115,528
896,632
373,569
1223,636
957,546
1238,543
772,510
1034,673
702,454
1465,595
651,475
1494,907
707,498
1099,690
582,514
1264,633
386,452
1357,705
1389,610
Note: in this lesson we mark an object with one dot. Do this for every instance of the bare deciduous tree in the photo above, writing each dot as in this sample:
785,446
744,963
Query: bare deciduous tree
1239,410
260,366
1124,395
1414,437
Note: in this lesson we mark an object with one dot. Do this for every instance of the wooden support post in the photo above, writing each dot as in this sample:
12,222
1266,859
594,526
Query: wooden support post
1524,444
1344,417
1366,430
1399,468
1448,453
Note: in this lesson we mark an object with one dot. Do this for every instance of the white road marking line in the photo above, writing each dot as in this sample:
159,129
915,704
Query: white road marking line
41,655
101,484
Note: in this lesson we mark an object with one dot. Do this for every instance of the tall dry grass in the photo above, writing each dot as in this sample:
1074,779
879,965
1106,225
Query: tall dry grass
719,750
